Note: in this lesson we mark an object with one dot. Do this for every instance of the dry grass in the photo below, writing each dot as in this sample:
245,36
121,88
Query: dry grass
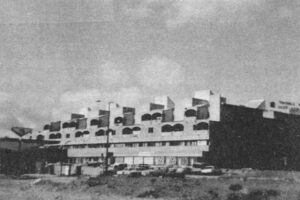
153,187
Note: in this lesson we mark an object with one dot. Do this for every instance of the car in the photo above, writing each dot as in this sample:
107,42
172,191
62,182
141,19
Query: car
158,170
132,169
211,170
197,167
183,169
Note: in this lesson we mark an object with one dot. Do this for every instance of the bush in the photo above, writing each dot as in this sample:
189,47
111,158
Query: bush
235,187
272,193
235,196
149,193
256,195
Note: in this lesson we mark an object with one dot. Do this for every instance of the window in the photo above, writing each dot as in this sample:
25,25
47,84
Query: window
118,120
47,127
52,136
128,144
65,125
127,131
190,113
40,137
78,134
166,128
151,144
163,143
68,135
201,126
146,117
272,105
141,144
136,128
150,130
119,145
190,143
202,112
94,122
175,143
178,127
86,132
156,116
101,132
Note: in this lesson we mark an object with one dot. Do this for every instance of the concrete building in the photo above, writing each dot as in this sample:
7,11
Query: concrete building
256,135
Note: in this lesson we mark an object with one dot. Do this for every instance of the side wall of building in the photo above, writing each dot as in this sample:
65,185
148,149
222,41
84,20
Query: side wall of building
244,138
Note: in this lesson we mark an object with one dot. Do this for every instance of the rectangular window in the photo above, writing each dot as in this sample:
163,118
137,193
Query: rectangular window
163,143
67,135
141,144
175,143
150,130
151,144
128,144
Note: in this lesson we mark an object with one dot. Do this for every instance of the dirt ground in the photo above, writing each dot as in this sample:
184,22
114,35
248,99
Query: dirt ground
235,187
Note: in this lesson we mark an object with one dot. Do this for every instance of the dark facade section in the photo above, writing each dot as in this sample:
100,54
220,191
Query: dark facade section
244,138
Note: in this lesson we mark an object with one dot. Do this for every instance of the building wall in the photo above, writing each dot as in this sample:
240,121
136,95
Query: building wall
244,138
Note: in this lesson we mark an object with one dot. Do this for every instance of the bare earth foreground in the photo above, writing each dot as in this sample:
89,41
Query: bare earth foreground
236,186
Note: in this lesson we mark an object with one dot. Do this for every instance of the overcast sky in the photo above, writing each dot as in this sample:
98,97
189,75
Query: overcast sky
60,55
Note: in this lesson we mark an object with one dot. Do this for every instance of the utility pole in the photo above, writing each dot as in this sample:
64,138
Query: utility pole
107,139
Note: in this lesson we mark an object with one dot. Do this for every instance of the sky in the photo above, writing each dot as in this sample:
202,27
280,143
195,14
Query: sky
61,55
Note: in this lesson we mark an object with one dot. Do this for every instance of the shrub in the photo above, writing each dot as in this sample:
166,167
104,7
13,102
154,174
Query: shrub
149,193
235,196
272,193
235,187
256,195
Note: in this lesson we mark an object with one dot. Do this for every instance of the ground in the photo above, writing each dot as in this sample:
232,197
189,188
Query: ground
235,186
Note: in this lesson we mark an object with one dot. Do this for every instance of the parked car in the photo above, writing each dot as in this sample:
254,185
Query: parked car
211,170
158,170
197,167
132,169
183,169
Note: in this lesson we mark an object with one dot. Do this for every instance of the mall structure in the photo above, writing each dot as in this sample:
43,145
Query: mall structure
261,134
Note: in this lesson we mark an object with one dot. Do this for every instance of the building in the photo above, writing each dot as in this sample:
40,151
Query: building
258,135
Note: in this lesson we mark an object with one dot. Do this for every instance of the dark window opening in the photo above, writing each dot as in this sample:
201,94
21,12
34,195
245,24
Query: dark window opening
166,128
163,143
136,128
128,144
141,144
150,130
201,126
175,143
127,131
52,136
58,135
101,132
73,124
40,137
94,122
156,116
202,112
68,135
190,113
272,104
151,144
146,117
178,127
118,120
65,125
78,134
86,132
47,127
